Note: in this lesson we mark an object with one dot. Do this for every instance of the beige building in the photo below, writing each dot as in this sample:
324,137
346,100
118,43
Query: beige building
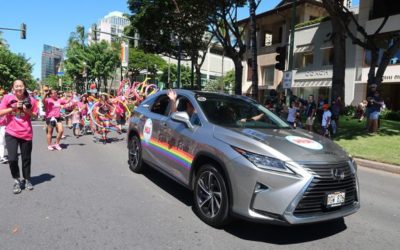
274,31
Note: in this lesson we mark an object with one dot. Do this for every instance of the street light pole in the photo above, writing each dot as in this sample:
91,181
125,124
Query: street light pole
179,65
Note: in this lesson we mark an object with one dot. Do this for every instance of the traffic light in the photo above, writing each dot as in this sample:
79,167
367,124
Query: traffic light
280,58
23,31
94,32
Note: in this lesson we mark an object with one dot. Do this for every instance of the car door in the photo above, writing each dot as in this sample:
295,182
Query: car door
152,132
180,145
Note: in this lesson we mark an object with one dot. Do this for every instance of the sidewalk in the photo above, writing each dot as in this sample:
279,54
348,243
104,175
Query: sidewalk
378,165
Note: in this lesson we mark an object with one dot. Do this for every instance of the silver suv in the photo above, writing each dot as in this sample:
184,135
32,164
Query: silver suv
240,159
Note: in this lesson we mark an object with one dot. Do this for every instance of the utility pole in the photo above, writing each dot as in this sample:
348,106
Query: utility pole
291,48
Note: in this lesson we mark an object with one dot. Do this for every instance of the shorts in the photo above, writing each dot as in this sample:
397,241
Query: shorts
48,122
374,115
76,125
310,121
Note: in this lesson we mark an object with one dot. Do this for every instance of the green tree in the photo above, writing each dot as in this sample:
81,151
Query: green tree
175,28
102,60
222,84
224,26
75,64
53,81
96,62
139,61
12,67
185,75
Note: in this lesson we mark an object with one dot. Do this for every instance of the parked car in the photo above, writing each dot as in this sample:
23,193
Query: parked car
240,159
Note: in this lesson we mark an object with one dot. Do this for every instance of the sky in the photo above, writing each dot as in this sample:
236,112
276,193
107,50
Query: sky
51,22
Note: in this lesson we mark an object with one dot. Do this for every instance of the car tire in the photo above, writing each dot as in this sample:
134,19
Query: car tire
210,196
135,155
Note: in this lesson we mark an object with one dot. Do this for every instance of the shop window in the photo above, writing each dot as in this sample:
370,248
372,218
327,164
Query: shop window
304,59
268,39
327,56
395,60
268,75
249,70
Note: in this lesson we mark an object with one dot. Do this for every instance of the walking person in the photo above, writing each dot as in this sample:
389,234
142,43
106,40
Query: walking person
18,108
53,106
310,112
3,123
326,121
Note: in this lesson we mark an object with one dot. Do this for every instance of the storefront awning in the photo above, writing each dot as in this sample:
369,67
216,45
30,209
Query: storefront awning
312,83
304,48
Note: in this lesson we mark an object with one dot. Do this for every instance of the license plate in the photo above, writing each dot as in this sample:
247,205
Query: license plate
335,199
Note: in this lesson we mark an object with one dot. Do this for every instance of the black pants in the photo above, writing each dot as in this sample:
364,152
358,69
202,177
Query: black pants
25,147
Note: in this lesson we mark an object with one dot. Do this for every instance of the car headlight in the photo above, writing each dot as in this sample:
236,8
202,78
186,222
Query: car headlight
264,162
353,165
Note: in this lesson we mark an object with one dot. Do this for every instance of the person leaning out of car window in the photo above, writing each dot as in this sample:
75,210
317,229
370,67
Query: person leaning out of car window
190,110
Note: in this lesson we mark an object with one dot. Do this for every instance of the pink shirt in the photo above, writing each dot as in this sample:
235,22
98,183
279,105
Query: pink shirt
18,122
53,107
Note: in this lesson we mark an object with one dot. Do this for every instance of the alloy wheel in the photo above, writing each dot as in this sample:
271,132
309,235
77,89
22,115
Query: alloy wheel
209,195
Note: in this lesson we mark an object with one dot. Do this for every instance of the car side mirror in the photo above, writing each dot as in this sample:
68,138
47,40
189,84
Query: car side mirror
182,117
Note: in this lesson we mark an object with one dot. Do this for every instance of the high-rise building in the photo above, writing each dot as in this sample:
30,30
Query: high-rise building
113,23
51,60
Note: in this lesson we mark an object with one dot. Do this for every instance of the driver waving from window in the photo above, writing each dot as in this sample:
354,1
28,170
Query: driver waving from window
194,119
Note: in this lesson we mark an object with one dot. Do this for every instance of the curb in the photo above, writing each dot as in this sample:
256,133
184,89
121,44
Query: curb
378,165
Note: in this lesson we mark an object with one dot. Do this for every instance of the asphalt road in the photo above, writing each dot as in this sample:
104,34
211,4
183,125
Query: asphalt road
85,197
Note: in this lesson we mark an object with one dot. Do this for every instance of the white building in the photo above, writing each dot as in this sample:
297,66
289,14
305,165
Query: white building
313,63
113,23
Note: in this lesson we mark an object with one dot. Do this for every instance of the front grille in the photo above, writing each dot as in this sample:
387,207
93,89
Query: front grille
313,200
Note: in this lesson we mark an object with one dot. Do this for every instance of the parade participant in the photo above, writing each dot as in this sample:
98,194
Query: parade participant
3,123
18,108
190,110
53,106
105,111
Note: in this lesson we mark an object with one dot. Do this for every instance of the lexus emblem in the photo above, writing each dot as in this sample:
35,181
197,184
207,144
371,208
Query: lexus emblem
337,174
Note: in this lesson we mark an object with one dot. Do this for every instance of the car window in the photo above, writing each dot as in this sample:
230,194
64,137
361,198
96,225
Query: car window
161,105
231,111
182,105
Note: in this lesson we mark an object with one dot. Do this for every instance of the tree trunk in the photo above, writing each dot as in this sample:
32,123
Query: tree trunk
254,65
339,60
238,75
198,77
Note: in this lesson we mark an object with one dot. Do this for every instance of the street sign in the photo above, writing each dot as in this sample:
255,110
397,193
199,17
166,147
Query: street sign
124,54
60,73
287,79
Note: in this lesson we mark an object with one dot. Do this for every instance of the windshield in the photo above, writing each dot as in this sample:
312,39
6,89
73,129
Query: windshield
231,111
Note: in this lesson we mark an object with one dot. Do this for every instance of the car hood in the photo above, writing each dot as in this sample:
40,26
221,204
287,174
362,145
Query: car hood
286,144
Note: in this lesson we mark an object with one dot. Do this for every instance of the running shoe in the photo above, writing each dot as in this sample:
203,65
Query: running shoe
50,148
28,185
57,146
3,160
17,187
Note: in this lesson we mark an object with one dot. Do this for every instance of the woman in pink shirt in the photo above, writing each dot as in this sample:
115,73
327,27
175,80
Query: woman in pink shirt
18,108
53,106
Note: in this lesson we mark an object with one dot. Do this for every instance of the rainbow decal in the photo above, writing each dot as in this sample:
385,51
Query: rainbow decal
173,153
